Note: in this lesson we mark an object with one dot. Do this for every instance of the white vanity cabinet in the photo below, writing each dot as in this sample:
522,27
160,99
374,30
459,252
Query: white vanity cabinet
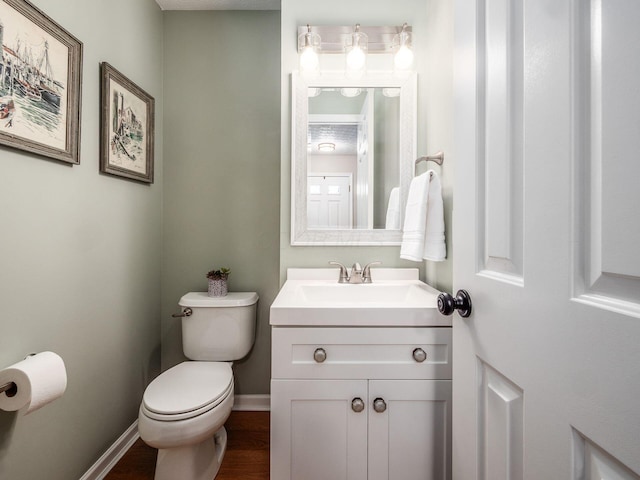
363,403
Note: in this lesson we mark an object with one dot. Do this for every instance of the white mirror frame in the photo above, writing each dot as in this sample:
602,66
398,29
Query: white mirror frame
300,234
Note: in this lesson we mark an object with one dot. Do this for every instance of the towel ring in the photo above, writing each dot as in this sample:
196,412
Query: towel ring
437,158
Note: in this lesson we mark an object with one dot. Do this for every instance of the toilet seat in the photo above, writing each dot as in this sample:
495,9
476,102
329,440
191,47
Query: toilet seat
187,390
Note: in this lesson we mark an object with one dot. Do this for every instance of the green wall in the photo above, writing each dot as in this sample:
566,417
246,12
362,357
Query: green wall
80,261
222,168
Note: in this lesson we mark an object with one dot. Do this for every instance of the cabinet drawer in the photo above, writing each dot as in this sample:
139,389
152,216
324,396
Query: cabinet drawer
371,353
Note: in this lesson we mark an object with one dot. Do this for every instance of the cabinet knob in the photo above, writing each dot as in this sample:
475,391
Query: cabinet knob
379,405
357,405
419,355
320,355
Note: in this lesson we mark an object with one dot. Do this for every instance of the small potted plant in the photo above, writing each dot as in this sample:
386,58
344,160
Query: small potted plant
218,282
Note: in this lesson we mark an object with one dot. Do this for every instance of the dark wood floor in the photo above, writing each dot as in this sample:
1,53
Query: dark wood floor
247,456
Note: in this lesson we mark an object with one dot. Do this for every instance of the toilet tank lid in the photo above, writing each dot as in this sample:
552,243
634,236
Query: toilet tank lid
232,299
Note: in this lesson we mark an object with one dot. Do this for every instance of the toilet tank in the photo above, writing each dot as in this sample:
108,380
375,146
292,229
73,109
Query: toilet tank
220,328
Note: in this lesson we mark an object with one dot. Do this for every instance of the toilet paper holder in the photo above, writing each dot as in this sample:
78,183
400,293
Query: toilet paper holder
9,388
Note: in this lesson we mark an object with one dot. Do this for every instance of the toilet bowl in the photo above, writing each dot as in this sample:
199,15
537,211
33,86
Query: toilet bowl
182,415
184,409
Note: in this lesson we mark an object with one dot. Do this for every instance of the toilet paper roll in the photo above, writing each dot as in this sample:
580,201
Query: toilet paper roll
40,379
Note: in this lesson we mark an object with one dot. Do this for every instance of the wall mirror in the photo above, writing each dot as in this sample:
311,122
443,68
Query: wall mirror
353,153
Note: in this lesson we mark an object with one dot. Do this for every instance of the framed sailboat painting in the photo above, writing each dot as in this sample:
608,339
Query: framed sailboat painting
126,127
40,81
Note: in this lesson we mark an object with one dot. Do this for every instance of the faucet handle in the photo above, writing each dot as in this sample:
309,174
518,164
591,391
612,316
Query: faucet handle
366,273
344,276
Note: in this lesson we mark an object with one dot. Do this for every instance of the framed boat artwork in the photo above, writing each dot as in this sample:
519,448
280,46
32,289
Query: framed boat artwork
126,127
40,81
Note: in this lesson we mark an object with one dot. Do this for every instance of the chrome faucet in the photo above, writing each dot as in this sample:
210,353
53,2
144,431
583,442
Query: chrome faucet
358,274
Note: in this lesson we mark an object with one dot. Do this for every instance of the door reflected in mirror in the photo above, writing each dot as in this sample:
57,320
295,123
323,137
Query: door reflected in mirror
352,158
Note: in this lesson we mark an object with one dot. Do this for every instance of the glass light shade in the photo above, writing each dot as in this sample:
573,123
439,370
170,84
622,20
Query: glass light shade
403,57
308,53
356,53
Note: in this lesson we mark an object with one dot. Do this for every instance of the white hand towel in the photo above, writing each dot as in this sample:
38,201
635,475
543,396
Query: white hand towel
415,219
393,210
423,233
435,248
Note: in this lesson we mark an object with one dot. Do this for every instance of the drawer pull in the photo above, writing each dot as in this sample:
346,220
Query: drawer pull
379,405
357,405
419,355
320,355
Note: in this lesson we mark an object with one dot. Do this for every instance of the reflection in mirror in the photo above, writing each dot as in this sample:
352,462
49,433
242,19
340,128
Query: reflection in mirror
352,158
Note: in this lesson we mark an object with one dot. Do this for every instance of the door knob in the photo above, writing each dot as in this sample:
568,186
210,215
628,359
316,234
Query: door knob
379,405
357,405
447,304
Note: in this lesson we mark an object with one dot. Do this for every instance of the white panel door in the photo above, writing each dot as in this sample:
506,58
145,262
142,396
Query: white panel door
546,376
329,201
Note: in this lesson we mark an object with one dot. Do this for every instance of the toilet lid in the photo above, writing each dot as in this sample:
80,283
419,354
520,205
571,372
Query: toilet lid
188,387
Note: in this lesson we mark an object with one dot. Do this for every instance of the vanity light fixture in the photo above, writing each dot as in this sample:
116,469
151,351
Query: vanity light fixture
403,51
356,46
308,52
326,147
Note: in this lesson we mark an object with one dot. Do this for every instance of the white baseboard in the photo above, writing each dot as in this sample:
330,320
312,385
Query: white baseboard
253,403
107,461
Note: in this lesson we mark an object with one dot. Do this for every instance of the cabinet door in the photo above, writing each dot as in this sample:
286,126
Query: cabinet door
411,438
315,432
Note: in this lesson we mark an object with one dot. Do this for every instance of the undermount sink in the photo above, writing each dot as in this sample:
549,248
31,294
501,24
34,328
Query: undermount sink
396,297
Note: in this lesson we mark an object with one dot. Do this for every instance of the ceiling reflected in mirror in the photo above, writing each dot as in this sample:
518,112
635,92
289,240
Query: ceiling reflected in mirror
342,137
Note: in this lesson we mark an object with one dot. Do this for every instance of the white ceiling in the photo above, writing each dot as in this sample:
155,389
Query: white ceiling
219,4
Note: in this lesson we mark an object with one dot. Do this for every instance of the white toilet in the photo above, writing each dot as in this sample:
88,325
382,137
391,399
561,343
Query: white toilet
184,409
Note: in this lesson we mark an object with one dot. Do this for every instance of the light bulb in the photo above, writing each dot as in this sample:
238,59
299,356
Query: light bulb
309,61
356,58
308,46
403,58
356,47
